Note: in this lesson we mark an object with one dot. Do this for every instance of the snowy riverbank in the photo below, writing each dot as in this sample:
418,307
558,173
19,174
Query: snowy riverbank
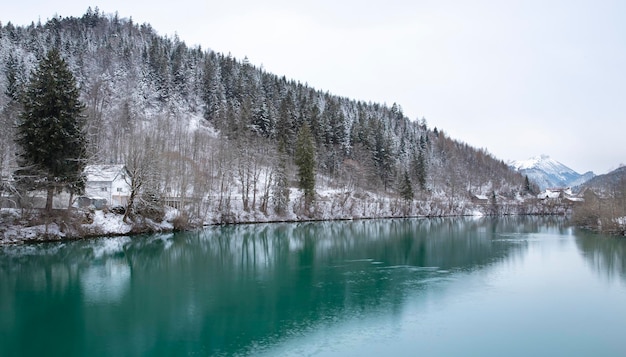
17,226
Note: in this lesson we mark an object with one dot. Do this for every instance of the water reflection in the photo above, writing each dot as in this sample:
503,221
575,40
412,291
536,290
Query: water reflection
605,255
105,283
238,289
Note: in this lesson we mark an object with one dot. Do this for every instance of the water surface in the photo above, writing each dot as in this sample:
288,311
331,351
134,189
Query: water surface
432,287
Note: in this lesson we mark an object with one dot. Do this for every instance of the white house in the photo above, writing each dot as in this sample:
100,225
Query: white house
555,193
111,182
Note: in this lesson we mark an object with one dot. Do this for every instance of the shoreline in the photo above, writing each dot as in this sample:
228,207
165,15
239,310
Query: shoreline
21,234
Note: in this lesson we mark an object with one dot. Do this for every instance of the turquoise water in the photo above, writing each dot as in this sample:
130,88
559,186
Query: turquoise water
430,287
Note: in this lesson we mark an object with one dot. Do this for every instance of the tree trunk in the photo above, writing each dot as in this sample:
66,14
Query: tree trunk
69,204
129,205
49,199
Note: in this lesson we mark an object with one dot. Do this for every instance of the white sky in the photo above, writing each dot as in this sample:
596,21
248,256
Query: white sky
519,77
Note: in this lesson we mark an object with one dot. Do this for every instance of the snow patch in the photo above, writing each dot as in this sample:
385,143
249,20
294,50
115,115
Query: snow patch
547,172
108,223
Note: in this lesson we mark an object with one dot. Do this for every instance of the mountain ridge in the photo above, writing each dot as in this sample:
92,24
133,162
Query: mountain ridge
549,173
612,181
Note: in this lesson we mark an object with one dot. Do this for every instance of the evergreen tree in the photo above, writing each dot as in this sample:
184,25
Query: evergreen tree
423,141
50,132
527,186
261,120
305,160
8,114
383,158
285,123
316,129
406,187
420,168
280,194
13,86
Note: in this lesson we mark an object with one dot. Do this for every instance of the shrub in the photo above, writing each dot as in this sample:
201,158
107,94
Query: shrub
181,222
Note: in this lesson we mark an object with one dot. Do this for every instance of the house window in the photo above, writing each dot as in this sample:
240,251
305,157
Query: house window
119,189
103,189
123,177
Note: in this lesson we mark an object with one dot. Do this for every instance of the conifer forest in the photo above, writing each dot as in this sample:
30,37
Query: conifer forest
229,142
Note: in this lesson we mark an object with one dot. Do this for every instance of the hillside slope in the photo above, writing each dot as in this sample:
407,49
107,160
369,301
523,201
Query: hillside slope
614,181
219,133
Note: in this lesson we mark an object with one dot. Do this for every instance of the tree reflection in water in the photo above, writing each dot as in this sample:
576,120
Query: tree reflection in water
605,254
236,289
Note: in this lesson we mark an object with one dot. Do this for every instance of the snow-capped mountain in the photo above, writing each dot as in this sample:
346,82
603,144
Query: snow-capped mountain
547,172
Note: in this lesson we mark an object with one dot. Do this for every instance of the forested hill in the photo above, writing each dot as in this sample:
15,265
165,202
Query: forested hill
213,123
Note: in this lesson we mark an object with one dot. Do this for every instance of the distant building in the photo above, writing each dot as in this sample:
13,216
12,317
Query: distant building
109,182
555,193
480,199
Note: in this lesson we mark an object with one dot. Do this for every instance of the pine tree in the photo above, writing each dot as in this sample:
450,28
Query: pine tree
383,158
50,132
261,120
13,86
8,114
285,123
280,192
527,186
305,160
406,187
420,168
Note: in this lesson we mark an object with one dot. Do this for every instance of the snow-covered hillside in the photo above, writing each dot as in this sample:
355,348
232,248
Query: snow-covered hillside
547,172
216,137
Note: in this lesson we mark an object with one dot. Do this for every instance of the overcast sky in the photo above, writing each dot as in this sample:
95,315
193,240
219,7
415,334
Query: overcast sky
519,78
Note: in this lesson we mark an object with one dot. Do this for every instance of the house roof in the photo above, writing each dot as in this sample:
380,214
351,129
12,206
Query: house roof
549,194
106,173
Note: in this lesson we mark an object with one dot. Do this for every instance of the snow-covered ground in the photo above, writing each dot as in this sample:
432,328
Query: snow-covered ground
331,204
15,229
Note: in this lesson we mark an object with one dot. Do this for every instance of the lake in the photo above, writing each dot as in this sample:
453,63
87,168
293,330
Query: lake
405,287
